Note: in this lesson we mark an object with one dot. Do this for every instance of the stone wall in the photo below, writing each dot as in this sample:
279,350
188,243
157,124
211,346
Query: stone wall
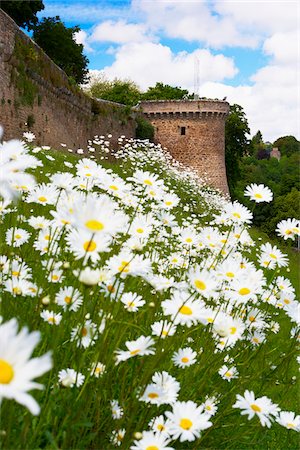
194,133
36,92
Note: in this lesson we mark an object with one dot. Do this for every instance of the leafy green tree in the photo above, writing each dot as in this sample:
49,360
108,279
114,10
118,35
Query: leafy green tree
23,11
287,145
165,92
236,143
144,129
59,43
119,91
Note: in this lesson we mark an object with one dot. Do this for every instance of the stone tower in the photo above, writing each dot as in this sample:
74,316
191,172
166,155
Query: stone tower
194,133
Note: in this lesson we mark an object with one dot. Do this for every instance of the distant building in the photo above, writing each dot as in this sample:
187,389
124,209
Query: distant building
194,133
275,153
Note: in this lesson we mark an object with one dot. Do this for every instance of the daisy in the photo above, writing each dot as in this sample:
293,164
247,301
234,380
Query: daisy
132,301
238,213
203,281
99,216
210,406
183,309
262,407
44,194
39,222
273,255
29,136
139,347
288,229
257,338
153,441
98,369
187,420
289,420
17,370
116,410
89,276
153,394
163,328
69,298
228,373
117,436
84,335
168,384
70,378
184,357
84,244
146,179
16,236
51,317
259,193
170,201
159,425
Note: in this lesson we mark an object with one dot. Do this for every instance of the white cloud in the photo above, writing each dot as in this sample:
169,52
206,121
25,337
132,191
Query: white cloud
81,37
119,32
284,47
193,21
146,63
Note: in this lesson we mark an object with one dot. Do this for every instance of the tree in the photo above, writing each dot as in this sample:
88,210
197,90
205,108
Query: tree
120,91
59,43
236,143
165,92
23,12
287,145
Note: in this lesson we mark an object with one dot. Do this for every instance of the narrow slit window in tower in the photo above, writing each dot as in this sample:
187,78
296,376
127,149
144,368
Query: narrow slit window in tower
182,131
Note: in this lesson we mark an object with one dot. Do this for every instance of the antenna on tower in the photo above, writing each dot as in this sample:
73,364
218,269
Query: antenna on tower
196,77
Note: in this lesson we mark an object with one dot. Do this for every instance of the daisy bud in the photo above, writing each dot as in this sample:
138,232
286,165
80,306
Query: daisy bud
66,265
46,300
138,435
152,304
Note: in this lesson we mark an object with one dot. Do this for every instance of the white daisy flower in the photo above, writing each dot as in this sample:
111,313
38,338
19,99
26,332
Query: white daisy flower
228,373
16,236
187,420
17,370
184,357
70,378
69,298
51,317
259,193
152,441
262,407
289,420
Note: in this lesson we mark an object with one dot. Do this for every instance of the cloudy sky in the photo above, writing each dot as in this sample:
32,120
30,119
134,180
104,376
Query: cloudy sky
247,50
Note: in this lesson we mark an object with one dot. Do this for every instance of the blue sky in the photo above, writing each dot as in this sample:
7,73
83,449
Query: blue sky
247,50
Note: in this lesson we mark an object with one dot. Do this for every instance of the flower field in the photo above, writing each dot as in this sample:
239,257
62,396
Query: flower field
136,310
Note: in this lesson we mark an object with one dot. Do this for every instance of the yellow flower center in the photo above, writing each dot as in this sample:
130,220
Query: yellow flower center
89,246
47,237
51,319
252,319
186,310
257,195
55,277
160,427
18,236
255,408
185,359
17,290
42,199
256,340
94,225
15,273
135,352
68,299
228,374
230,274
232,330
273,256
189,240
153,395
113,187
286,301
152,447
6,372
244,291
208,408
168,203
200,285
148,182
290,425
186,424
111,288
237,215
84,331
124,267
164,333
140,230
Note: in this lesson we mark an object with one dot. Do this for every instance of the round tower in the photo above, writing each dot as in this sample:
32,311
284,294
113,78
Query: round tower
194,133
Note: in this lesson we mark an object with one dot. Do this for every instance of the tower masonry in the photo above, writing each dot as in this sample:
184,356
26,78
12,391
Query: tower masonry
193,131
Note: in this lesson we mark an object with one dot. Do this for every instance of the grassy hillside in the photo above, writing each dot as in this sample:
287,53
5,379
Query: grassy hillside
157,307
